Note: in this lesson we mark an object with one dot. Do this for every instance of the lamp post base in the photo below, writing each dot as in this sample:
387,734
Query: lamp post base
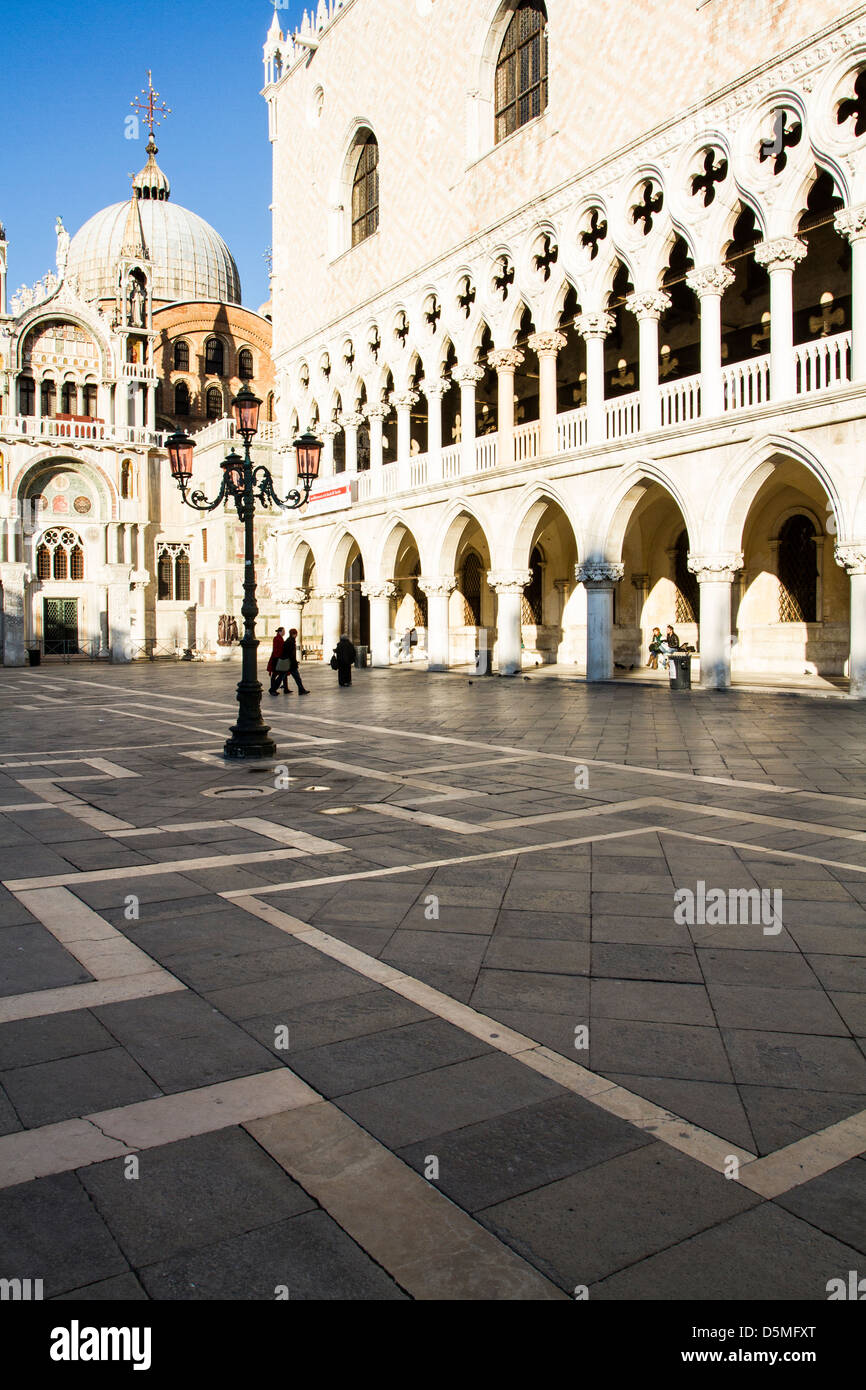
250,744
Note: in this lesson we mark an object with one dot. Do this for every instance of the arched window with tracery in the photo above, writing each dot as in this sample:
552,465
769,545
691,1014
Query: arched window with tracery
214,357
172,571
181,398
214,403
521,70
245,364
798,571
687,605
365,191
60,555
181,356
470,587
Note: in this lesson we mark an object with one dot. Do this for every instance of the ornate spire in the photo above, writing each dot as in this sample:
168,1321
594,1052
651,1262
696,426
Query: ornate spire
151,182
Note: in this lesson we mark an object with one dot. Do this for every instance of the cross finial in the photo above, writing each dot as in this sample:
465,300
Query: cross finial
152,110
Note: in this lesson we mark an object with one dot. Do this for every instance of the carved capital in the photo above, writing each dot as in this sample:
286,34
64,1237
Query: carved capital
469,376
506,359
437,386
649,305
438,585
547,344
338,592
852,557
851,222
384,589
378,412
509,581
781,254
602,574
331,430
640,581
716,569
710,280
595,325
352,421
290,598
404,400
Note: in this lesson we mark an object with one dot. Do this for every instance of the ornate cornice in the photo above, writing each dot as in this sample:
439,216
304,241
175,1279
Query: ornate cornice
649,305
602,573
506,359
547,344
595,325
781,254
509,581
709,280
716,569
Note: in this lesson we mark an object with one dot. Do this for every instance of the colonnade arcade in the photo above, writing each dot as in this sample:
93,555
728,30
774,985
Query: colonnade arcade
761,585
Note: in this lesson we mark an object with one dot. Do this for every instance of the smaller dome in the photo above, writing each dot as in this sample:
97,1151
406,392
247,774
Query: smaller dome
151,182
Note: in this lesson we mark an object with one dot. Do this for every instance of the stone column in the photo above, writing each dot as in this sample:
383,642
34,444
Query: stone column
329,434
438,590
547,346
715,574
780,257
852,558
403,401
598,578
119,626
505,362
709,284
380,596
640,584
376,414
434,391
291,605
15,579
332,618
509,586
468,378
648,309
594,328
851,223
351,424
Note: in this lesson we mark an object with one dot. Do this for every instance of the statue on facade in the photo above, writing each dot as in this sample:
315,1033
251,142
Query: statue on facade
137,303
62,247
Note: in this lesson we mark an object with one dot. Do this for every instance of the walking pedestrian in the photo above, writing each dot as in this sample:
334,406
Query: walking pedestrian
278,665
343,660
290,653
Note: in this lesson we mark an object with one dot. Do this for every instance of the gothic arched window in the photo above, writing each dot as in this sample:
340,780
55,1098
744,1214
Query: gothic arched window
798,571
521,69
60,555
172,571
687,604
181,398
181,576
26,395
365,191
126,480
214,403
245,364
471,587
181,356
69,397
214,357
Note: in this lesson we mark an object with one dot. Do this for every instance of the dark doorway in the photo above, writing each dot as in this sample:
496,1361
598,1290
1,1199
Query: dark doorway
60,626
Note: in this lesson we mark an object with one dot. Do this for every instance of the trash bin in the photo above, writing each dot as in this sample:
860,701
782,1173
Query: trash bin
34,656
361,657
680,670
484,662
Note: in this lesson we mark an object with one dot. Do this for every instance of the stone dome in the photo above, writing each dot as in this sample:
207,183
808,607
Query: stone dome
190,260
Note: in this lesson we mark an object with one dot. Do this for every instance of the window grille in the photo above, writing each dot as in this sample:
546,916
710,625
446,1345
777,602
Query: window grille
214,357
365,192
471,588
181,357
798,571
172,571
60,555
521,71
214,403
532,606
688,598
245,364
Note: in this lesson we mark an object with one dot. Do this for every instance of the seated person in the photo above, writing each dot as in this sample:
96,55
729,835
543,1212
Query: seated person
655,647
669,643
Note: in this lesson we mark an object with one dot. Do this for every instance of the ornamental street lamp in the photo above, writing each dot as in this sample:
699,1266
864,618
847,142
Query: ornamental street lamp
245,483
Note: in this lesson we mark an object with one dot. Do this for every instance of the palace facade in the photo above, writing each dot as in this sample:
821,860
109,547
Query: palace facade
577,299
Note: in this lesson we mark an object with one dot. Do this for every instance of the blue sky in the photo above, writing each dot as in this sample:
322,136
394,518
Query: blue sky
64,100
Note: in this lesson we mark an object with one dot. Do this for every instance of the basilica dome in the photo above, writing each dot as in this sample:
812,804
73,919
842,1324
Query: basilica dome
190,260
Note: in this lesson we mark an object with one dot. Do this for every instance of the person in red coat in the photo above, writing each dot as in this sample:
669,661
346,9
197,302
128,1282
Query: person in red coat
278,678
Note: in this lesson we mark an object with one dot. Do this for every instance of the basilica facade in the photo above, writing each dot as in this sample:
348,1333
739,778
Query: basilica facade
582,322
140,330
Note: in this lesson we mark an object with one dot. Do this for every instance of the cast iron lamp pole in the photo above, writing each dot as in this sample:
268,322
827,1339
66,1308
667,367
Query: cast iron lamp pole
245,483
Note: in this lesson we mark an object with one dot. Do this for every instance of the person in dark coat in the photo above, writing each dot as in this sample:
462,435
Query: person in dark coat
278,678
345,654
290,651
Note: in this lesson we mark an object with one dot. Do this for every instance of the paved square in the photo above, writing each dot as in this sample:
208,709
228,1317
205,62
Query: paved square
481,989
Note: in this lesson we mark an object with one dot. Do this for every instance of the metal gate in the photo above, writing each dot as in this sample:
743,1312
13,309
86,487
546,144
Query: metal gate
60,626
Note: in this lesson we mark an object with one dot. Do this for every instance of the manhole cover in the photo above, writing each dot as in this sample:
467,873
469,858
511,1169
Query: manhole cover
238,793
